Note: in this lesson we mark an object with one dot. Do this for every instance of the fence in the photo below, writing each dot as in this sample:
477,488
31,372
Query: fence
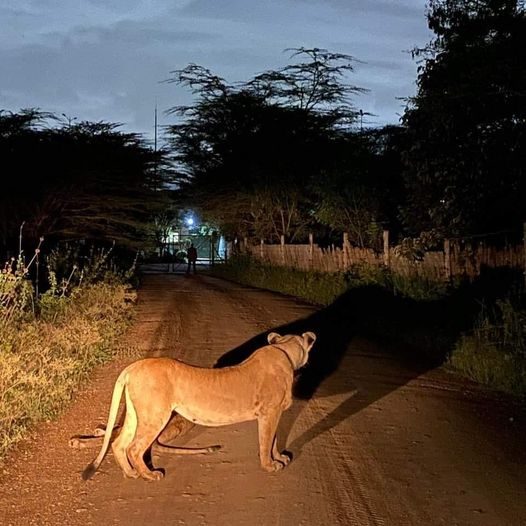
457,257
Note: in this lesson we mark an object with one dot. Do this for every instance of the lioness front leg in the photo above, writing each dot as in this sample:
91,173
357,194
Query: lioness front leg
276,455
267,426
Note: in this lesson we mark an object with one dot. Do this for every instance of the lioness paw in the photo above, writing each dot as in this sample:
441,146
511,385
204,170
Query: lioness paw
284,458
273,466
154,475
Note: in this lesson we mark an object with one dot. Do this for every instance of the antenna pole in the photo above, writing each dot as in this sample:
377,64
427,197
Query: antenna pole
155,128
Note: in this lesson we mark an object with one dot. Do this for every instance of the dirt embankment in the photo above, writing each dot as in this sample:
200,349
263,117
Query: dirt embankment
375,441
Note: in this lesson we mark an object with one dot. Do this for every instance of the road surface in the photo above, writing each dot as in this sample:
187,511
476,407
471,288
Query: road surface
375,441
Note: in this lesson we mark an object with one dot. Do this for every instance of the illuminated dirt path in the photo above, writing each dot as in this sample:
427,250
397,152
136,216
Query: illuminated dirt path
377,443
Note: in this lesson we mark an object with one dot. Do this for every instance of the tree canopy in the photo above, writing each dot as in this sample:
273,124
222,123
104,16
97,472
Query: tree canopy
251,154
281,154
82,181
465,160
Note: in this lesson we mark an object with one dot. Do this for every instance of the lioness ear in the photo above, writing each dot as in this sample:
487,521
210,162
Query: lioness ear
308,340
272,337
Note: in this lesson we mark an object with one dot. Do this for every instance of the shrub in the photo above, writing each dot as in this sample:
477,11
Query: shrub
49,344
16,292
43,361
494,352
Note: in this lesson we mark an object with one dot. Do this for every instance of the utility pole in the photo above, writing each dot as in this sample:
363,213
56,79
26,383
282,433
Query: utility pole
155,129
155,140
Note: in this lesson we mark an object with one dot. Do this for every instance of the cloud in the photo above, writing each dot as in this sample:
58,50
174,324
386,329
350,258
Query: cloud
102,60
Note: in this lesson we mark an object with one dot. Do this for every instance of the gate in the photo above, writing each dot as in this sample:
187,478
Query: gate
171,257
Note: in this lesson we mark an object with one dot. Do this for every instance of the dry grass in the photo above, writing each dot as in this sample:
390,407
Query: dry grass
42,361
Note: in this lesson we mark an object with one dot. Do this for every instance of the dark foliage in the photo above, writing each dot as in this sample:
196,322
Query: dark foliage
81,181
466,157
249,152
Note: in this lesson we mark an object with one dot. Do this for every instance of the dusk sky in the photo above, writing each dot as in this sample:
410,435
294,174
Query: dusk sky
105,59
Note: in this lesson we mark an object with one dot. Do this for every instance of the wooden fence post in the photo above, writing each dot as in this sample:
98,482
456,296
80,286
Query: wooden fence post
447,258
387,260
345,250
311,250
282,239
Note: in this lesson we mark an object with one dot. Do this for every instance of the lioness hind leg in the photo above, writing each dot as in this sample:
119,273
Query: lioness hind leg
267,425
144,437
120,447
121,443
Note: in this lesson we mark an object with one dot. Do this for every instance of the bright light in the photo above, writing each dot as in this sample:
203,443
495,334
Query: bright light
189,221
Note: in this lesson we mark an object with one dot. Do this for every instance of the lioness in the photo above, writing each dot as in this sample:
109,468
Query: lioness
258,388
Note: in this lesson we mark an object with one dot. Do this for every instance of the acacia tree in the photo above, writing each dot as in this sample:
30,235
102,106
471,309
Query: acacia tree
19,134
249,152
315,84
82,181
467,124
361,191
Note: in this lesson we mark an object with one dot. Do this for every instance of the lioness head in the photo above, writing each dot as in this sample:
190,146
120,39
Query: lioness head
297,347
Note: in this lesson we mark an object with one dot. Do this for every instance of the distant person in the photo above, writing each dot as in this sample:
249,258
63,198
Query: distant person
191,254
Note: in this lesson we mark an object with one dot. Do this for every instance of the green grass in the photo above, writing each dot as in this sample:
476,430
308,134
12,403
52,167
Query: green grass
494,351
322,288
490,365
314,287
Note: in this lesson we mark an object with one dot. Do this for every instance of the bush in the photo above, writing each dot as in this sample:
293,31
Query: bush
48,344
43,361
16,292
494,352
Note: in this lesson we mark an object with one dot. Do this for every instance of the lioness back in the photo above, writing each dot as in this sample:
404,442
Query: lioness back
213,397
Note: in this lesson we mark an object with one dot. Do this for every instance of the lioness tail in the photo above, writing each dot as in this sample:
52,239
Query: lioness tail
112,417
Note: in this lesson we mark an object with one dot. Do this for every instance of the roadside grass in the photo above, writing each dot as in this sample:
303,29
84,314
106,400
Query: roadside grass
494,351
43,361
475,329
315,287
49,344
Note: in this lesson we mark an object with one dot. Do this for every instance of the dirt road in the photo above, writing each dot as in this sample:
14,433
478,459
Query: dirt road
375,441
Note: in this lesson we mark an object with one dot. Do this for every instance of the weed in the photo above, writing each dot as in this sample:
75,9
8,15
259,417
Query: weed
494,352
48,344
43,361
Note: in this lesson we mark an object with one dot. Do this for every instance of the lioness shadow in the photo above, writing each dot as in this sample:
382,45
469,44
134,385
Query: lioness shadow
335,326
